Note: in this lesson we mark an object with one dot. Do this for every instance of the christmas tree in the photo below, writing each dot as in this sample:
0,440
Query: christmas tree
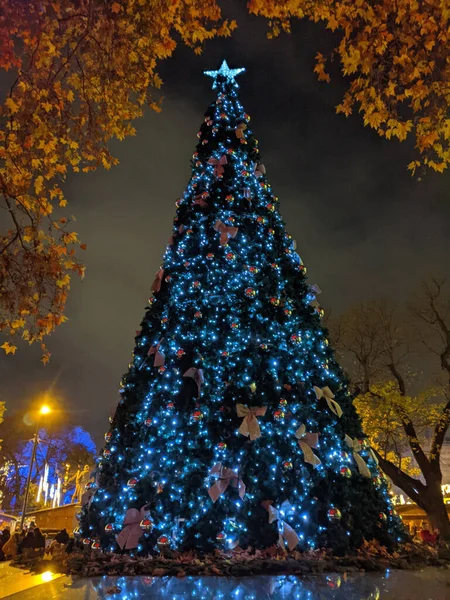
235,426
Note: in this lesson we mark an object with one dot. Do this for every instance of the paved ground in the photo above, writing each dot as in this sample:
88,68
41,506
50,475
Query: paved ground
429,584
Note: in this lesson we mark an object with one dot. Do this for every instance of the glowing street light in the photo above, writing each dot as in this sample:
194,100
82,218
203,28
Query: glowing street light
44,410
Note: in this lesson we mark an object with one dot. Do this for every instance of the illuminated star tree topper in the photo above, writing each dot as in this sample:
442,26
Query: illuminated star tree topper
225,72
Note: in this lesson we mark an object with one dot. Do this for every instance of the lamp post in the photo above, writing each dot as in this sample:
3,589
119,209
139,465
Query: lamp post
44,410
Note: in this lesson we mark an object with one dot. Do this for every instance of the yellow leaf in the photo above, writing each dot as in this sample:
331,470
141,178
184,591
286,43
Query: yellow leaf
13,107
63,282
8,348
38,184
115,8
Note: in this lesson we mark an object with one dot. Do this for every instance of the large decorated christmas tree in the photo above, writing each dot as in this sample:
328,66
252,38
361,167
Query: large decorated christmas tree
235,426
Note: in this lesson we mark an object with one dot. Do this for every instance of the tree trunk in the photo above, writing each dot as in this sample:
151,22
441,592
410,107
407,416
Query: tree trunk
427,497
432,503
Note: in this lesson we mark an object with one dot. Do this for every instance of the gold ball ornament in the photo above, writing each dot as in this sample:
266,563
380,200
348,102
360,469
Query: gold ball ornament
345,472
334,514
197,415
278,415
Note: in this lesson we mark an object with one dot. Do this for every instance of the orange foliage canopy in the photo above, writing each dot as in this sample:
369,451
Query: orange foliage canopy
396,54
80,72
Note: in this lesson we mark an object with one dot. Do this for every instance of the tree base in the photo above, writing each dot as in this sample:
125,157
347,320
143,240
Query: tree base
371,557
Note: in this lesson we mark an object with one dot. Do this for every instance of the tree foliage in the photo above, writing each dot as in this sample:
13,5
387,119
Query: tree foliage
396,56
58,446
80,73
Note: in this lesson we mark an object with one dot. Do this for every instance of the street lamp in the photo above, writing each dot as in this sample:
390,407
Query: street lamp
44,410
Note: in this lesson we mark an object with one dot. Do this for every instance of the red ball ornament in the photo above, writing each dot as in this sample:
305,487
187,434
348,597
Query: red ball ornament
197,415
87,542
245,173
229,198
96,546
287,465
253,269
222,446
186,264
106,453
231,151
196,284
275,301
132,483
170,406
296,339
261,220
270,207
234,325
382,516
210,256
283,402
250,293
224,116
180,353
146,524
225,353
243,141
109,527
345,472
108,437
161,370
278,415
148,422
334,514
230,256
221,537
274,266
263,346
164,320
198,314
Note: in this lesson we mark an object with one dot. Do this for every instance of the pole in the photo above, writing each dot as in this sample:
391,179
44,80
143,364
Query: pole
27,488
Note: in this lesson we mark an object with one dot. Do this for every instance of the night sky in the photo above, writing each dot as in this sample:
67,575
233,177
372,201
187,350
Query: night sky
364,228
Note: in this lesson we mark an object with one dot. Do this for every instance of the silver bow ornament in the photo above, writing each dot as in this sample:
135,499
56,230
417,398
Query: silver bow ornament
285,531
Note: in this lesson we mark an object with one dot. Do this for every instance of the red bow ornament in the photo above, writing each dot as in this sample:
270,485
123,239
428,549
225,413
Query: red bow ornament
197,376
239,131
225,477
218,165
131,533
156,285
225,232
200,200
159,356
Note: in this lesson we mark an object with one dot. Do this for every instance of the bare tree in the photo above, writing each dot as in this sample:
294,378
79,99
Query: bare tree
375,347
